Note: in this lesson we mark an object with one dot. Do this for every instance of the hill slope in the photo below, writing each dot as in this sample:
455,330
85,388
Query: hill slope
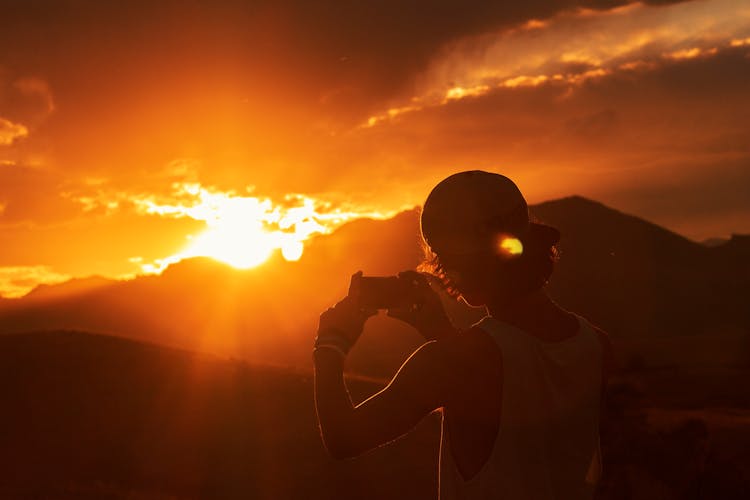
649,287
95,417
89,416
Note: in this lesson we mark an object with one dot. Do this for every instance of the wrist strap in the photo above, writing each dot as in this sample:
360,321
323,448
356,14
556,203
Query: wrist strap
331,347
334,339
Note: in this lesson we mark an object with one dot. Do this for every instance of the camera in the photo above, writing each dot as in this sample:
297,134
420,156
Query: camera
384,292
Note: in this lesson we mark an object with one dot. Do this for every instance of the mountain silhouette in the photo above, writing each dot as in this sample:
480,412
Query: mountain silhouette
664,298
657,282
75,286
647,285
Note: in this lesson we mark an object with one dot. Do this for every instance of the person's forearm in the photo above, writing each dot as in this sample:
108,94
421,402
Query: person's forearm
333,404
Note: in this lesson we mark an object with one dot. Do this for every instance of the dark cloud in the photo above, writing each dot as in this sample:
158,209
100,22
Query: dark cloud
330,51
252,88
662,106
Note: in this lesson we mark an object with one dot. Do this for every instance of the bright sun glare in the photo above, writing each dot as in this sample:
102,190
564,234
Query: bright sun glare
245,231
510,246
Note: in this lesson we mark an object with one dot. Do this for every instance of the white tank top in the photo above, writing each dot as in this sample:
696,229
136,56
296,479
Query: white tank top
548,443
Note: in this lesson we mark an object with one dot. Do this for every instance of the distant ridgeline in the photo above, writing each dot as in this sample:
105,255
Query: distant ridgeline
666,300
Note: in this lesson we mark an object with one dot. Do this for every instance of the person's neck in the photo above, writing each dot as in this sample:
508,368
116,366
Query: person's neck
534,313
518,308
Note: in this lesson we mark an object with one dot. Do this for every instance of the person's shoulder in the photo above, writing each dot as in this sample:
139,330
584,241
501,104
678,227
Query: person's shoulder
471,350
608,350
599,332
604,338
464,341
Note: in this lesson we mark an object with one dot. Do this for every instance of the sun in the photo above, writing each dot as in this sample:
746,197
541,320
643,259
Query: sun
245,231
244,247
237,247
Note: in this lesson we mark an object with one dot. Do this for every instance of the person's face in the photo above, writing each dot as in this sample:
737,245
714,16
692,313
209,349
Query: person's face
480,278
469,274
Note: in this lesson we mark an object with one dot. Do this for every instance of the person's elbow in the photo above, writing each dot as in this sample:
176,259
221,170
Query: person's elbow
342,448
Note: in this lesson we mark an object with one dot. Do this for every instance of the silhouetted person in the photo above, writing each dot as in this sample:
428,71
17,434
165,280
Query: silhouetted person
519,391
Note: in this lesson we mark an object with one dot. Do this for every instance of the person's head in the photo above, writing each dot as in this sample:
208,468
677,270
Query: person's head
480,242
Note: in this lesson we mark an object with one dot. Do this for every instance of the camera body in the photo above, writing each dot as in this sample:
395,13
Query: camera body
384,292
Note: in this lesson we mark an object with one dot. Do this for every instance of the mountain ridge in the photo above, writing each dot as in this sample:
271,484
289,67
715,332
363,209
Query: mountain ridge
627,275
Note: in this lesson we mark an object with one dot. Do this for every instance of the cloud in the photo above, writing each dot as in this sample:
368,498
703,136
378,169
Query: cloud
36,88
26,102
564,98
17,281
604,41
338,57
11,132
609,136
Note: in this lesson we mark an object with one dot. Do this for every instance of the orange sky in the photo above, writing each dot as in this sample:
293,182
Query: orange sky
107,112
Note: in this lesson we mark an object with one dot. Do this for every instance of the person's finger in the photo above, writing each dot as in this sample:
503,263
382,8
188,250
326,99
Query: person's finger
355,284
411,275
430,279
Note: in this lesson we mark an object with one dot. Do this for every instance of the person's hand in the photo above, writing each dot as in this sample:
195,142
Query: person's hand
341,325
428,316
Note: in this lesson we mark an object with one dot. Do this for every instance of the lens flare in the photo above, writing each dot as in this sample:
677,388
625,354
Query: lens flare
509,246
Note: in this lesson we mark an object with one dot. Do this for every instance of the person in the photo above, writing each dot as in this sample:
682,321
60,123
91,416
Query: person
520,391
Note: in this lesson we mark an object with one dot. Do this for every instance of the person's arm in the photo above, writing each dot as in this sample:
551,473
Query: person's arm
595,471
414,392
609,363
418,388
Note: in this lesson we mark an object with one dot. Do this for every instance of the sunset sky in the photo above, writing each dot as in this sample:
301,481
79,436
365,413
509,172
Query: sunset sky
136,133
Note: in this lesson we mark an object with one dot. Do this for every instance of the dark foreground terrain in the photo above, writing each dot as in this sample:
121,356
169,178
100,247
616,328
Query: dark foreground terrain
91,416
97,417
